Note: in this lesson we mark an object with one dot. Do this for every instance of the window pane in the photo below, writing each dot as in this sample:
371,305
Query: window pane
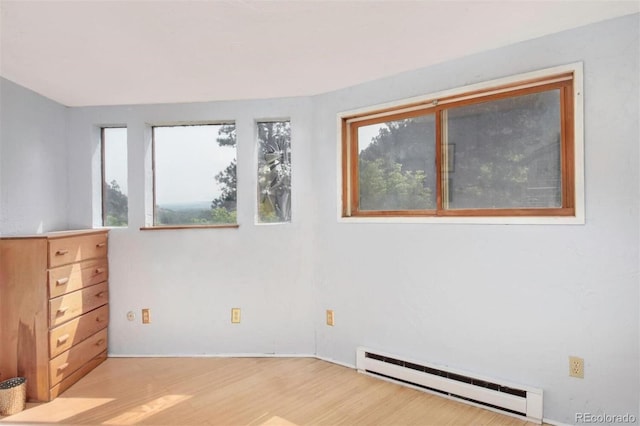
397,165
195,174
274,171
114,177
505,153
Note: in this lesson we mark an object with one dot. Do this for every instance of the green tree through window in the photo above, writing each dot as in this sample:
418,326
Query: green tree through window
274,171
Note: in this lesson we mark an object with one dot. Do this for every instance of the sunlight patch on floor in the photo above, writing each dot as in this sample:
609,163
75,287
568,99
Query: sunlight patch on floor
144,411
277,421
57,410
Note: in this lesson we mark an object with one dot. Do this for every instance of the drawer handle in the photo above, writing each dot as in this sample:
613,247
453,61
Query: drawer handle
62,310
62,252
63,339
99,271
102,293
99,319
100,342
100,245
63,366
62,281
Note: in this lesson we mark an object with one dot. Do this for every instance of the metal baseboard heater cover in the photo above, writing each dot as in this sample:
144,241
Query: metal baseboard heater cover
495,395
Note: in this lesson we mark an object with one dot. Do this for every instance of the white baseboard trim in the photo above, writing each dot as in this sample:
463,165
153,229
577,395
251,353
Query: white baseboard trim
333,361
225,355
234,355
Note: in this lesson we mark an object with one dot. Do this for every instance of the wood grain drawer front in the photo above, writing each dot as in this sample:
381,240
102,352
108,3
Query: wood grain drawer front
75,331
66,279
71,305
77,375
68,362
63,251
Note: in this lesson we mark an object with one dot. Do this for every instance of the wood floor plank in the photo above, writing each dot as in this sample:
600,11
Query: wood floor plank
245,391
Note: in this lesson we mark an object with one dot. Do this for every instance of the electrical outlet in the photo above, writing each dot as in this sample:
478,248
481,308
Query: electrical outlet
330,317
146,316
235,315
576,367
131,316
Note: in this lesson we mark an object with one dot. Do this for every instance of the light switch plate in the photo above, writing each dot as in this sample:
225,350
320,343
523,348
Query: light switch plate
235,315
146,316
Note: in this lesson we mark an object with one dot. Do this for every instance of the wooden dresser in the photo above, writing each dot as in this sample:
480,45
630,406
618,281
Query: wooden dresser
54,308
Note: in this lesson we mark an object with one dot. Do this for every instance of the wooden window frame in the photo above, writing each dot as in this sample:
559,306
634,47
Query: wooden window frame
438,106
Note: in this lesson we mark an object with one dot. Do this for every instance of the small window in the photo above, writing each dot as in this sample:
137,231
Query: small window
114,176
502,151
274,172
194,175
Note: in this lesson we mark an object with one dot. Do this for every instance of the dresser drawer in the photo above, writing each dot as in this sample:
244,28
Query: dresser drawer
77,375
75,331
65,279
71,305
67,250
66,363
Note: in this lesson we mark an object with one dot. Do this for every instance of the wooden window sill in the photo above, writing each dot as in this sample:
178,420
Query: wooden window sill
175,227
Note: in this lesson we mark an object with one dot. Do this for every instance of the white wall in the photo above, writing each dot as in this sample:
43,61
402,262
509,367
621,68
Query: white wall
192,278
33,162
510,302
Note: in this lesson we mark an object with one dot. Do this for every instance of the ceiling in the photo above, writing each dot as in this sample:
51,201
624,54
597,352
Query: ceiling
137,52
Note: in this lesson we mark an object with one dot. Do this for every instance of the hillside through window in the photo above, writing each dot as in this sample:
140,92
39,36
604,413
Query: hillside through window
194,169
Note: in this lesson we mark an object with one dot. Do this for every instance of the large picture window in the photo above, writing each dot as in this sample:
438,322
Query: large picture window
505,150
194,171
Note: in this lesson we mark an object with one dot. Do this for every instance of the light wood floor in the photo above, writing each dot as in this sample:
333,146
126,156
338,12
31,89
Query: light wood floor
245,391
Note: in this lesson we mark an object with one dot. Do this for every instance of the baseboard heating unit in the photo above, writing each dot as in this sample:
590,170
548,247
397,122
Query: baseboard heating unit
495,395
